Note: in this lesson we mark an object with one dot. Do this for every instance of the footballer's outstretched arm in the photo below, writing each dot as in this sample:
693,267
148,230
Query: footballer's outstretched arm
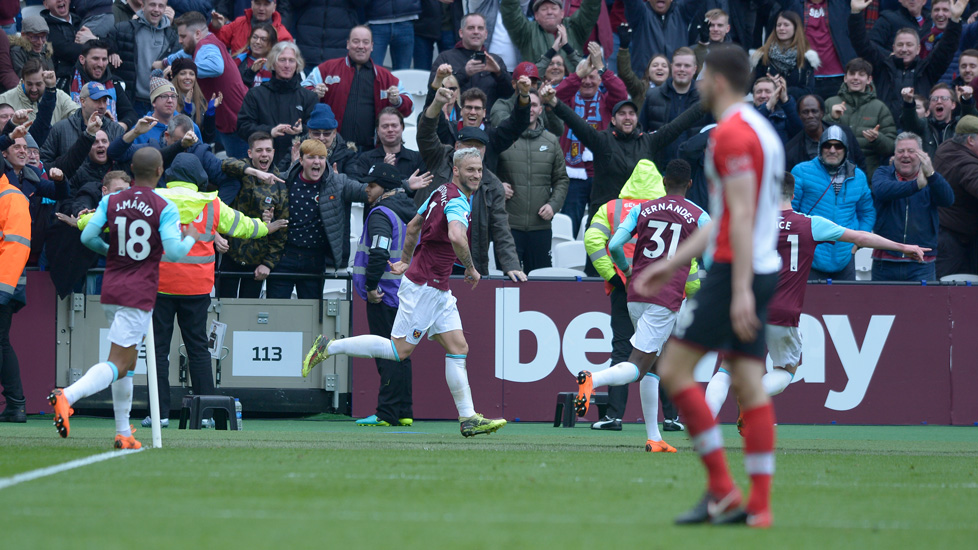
872,240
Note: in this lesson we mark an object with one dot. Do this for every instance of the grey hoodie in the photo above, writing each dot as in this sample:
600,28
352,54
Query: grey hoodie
152,43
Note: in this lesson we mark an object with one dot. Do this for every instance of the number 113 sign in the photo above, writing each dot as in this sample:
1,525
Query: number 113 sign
266,353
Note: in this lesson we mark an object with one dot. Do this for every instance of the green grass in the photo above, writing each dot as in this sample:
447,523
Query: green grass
292,484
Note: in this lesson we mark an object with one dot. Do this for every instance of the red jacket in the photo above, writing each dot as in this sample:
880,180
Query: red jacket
338,74
237,33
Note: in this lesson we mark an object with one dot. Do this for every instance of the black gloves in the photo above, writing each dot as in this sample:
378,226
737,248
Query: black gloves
624,35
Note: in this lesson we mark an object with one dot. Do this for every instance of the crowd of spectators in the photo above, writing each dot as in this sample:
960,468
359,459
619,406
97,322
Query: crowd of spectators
873,99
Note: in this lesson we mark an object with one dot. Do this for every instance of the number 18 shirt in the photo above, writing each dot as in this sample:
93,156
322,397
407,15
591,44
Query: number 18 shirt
139,221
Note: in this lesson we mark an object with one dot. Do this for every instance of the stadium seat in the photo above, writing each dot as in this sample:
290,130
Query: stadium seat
864,264
570,255
961,278
492,258
563,230
410,137
356,219
415,83
334,289
556,273
583,229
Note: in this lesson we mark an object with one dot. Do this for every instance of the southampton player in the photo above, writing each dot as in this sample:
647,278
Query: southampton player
426,302
658,226
142,227
744,165
796,246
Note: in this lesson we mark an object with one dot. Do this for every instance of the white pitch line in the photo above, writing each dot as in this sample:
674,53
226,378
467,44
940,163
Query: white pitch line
58,468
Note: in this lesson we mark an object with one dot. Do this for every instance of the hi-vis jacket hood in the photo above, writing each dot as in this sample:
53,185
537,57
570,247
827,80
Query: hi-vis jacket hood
184,178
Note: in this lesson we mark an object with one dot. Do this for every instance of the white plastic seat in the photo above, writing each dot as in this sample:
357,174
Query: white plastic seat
563,230
864,264
555,273
410,137
415,83
570,255
961,278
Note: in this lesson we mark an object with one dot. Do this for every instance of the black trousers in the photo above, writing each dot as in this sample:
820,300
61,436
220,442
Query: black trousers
238,287
955,254
533,248
394,399
13,389
191,313
621,332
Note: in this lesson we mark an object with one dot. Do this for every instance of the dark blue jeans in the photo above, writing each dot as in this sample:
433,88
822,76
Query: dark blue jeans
903,271
847,273
578,195
424,49
297,260
400,38
234,146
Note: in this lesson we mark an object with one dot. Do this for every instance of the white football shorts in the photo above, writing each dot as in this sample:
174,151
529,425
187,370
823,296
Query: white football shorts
784,345
424,309
128,325
653,326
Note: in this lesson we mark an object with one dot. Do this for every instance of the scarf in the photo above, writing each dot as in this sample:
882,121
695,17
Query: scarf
784,61
590,111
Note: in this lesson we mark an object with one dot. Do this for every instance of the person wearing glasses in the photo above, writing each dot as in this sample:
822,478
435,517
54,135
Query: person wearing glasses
833,187
944,114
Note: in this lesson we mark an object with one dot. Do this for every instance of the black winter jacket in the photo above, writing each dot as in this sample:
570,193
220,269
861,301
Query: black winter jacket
276,102
891,75
390,9
496,86
322,26
891,21
61,35
616,154
336,191
663,104
122,41
932,132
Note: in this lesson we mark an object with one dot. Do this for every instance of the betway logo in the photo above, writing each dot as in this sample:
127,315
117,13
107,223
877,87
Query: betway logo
858,361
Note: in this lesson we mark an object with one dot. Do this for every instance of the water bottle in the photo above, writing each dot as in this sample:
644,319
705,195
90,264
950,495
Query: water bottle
237,412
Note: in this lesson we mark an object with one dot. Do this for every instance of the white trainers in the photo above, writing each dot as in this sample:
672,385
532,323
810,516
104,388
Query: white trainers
148,421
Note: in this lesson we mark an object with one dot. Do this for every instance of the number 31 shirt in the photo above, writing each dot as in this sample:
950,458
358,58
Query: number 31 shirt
659,226
139,221
796,246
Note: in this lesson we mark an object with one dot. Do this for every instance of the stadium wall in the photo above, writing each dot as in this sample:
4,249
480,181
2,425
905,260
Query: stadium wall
873,354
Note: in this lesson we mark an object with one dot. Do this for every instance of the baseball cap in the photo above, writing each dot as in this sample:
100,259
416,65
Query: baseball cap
526,69
621,104
471,133
384,175
94,90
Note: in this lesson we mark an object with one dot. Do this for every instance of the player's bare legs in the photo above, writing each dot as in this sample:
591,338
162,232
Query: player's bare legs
676,372
774,383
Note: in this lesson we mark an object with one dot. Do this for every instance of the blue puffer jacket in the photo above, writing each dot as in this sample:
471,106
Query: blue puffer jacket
852,207
391,9
907,214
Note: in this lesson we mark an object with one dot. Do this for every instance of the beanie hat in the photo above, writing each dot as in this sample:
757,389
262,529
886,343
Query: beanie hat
322,118
159,85
32,143
181,64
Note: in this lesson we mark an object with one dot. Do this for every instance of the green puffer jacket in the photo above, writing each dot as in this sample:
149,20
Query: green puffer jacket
535,167
864,112
532,41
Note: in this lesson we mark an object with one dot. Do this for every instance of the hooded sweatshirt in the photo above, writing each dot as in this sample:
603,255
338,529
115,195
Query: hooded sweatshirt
151,42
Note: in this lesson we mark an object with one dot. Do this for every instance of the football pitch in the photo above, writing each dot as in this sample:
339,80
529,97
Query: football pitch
325,483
